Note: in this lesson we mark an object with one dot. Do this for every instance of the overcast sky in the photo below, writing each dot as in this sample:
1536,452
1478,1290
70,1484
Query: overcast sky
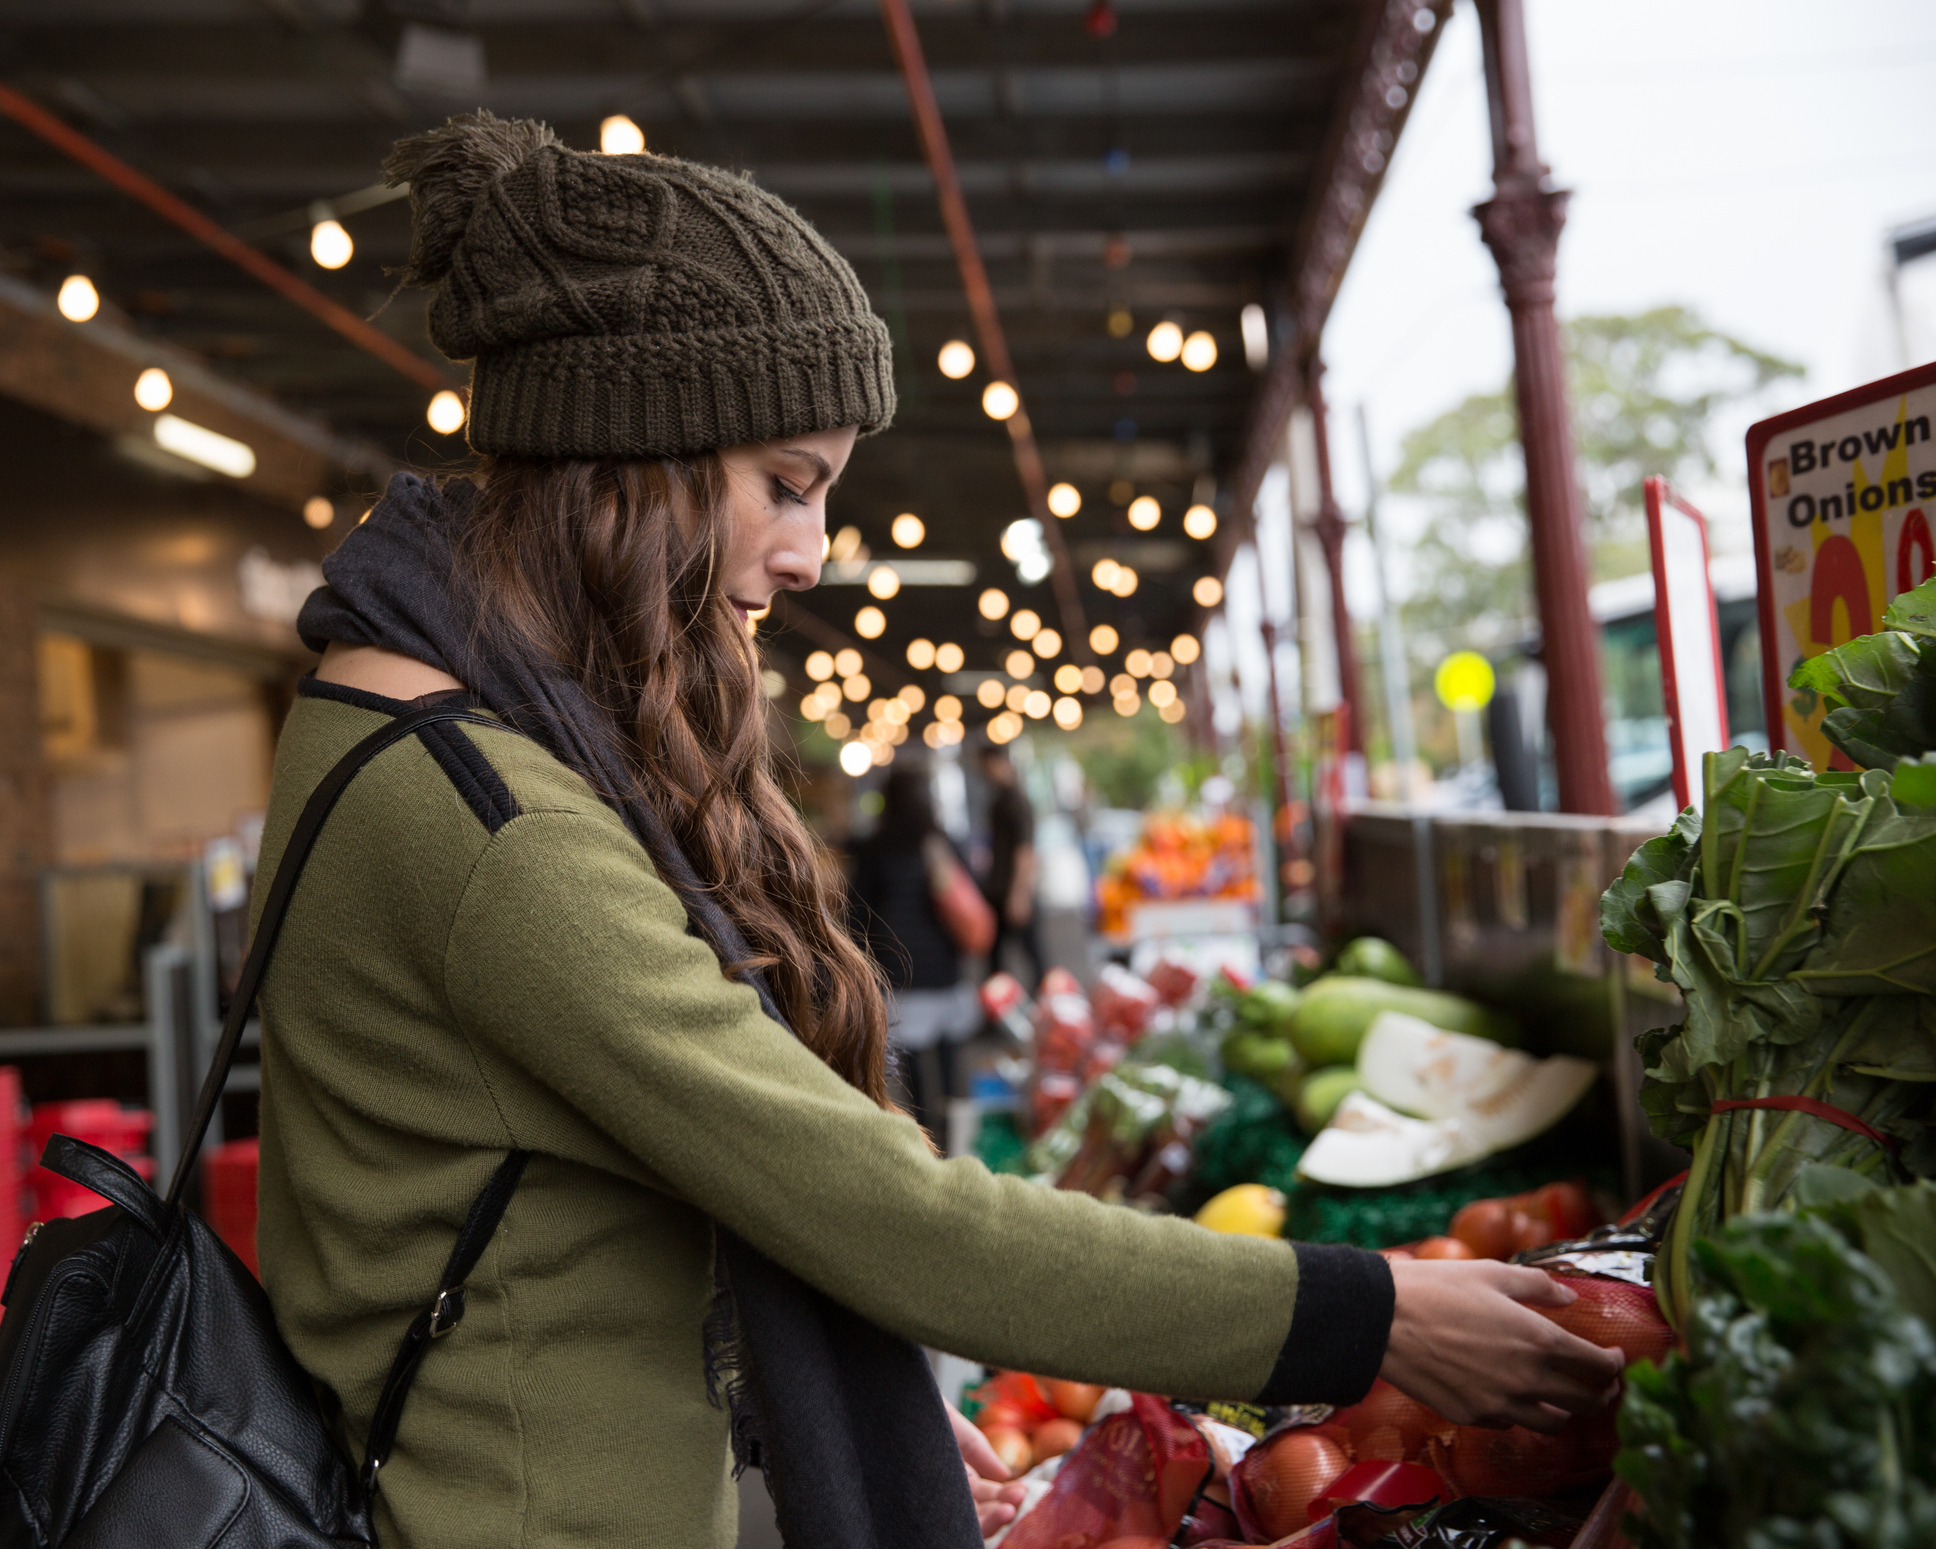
1742,157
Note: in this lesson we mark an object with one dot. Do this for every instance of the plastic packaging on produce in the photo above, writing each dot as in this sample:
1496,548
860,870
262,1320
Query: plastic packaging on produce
1133,1476
1174,982
1123,1002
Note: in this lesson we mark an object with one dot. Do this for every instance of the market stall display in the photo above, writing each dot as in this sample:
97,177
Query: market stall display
1178,857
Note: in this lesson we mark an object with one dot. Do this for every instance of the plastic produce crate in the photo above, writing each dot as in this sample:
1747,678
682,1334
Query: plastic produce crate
228,1196
99,1121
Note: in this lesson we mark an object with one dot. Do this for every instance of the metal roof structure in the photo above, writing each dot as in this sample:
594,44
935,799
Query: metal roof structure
1167,159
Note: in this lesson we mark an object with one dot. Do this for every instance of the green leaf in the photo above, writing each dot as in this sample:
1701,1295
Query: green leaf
1914,783
1628,917
1867,673
1913,612
1898,1229
1879,931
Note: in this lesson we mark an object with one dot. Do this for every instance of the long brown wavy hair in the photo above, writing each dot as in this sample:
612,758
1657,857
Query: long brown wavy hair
611,567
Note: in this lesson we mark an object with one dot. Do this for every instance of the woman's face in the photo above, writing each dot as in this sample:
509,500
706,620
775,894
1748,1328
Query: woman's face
776,513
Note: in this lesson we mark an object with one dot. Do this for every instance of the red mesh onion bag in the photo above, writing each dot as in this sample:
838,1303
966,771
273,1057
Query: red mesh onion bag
1124,1002
1134,1475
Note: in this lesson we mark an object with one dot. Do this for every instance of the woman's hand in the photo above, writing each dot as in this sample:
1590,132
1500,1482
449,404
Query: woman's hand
1465,1340
996,1502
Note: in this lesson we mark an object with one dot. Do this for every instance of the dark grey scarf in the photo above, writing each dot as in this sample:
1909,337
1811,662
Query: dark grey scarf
842,1416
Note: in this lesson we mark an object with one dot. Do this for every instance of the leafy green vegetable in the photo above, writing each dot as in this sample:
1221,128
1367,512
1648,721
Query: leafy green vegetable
1803,1412
1880,689
1798,921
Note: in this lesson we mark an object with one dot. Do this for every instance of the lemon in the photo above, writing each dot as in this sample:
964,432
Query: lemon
1248,1210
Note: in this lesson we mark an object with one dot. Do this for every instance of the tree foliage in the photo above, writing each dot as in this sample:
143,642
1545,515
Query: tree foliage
1644,391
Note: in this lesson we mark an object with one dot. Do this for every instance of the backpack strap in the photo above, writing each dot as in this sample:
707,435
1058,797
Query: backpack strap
302,840
486,1211
443,1314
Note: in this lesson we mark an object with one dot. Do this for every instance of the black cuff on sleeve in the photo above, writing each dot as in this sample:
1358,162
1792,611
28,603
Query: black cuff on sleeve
1338,1329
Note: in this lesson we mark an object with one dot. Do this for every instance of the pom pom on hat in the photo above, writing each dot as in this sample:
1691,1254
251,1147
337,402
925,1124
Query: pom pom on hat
448,169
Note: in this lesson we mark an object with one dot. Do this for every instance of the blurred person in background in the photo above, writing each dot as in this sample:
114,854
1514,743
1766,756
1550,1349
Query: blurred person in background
931,1009
1010,883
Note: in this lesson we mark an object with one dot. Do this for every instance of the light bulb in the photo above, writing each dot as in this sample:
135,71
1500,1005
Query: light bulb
1208,591
1068,678
1199,351
1103,639
1125,583
847,663
883,581
992,603
1047,643
948,657
956,360
1144,513
1019,664
1137,663
1199,521
1185,649
1025,624
330,244
1064,500
999,401
319,511
1104,574
446,413
870,623
908,530
153,391
1165,342
856,758
820,666
1068,714
78,299
920,654
619,136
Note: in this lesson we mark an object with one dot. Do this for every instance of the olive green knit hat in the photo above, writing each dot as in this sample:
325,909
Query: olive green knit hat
631,306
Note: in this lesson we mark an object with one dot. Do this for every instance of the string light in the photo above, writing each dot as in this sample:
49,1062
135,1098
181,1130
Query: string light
993,603
820,666
1165,342
1064,500
1199,351
446,413
948,657
947,708
1208,591
988,694
848,662
1161,694
1125,583
153,391
319,511
1019,664
1047,643
1185,649
1126,704
1104,575
956,360
920,654
78,300
1068,714
999,401
330,244
913,696
619,136
1037,705
1144,513
1068,678
883,581
908,530
870,623
1103,639
836,725
1199,521
856,688
1172,712
856,758
1161,664
1025,624
1092,679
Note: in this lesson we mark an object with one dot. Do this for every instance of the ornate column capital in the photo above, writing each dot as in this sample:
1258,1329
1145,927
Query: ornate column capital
1522,224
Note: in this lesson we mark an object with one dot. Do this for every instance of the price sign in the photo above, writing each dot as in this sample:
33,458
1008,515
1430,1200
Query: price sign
1843,493
1693,681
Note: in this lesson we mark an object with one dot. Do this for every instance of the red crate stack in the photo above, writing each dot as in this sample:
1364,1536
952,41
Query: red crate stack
13,1164
99,1121
228,1196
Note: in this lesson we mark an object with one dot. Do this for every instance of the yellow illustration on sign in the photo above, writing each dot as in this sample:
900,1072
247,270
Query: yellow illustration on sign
1846,530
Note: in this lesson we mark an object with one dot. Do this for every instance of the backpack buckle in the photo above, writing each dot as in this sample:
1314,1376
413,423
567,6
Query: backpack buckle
447,1311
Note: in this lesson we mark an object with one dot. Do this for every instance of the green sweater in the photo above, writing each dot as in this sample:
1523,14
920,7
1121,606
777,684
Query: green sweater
480,958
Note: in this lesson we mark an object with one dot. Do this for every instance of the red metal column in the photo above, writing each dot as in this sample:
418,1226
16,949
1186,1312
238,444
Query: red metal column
1521,224
1330,528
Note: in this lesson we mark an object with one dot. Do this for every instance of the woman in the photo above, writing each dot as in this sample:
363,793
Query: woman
600,935
930,1010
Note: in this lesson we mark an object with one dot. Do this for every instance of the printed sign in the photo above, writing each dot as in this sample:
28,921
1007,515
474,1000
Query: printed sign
1843,493
1688,627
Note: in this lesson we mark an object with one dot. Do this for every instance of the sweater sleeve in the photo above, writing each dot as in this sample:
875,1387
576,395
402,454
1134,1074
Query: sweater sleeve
569,961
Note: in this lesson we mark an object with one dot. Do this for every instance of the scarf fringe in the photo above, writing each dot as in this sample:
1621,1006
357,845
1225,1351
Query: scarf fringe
728,1381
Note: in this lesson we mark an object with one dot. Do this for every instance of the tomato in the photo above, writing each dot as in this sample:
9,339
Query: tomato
1569,1208
1443,1248
1485,1226
1285,1474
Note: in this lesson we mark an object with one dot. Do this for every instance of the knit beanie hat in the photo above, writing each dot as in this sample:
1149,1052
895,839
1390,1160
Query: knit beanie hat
631,306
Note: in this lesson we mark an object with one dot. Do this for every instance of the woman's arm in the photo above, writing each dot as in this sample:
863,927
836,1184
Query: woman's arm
570,968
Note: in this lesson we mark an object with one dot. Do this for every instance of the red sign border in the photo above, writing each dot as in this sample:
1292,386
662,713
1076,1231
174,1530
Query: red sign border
1773,678
1659,492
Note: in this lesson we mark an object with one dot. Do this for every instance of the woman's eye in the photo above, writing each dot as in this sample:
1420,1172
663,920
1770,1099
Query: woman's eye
786,492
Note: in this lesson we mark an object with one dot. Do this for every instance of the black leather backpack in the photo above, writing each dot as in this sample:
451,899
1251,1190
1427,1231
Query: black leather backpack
146,1400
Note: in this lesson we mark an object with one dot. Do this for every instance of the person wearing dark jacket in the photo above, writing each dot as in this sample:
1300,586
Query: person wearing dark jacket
931,1010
